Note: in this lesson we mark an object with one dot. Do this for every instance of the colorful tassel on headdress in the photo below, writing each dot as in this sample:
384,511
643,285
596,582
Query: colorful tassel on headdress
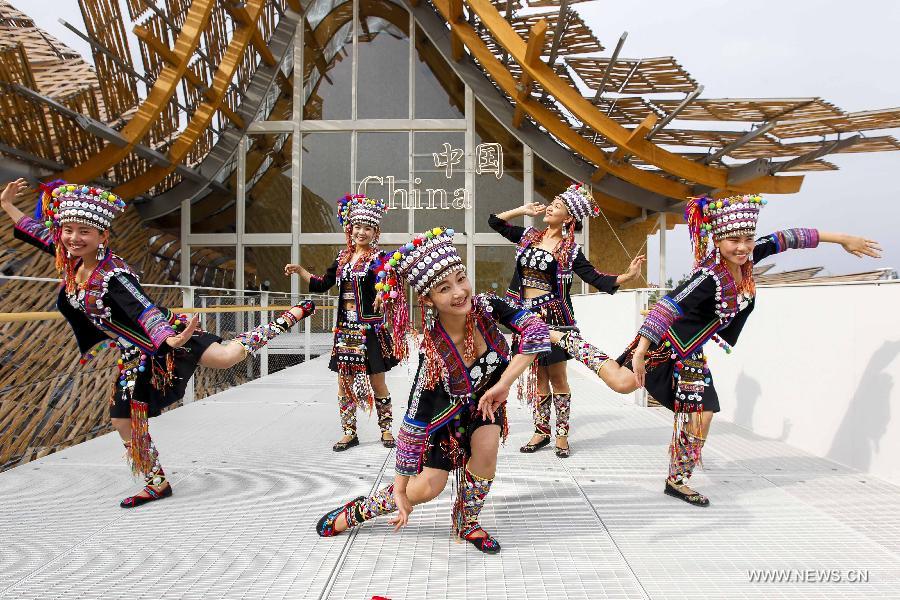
698,226
434,365
395,307
43,211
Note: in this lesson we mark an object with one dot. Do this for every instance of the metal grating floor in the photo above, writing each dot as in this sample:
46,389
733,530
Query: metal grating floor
253,470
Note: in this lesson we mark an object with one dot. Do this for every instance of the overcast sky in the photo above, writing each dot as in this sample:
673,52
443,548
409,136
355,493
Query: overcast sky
846,53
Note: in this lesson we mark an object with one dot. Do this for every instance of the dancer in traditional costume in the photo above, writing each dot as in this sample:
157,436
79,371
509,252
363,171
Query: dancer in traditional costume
106,307
363,351
456,415
546,260
667,355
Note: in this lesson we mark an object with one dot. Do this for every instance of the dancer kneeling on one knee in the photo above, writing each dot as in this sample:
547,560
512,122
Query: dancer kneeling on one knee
456,415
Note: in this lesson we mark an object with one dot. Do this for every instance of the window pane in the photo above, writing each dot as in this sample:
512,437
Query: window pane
328,94
385,155
494,266
326,175
383,74
317,258
213,213
264,268
211,266
269,184
498,155
439,92
440,197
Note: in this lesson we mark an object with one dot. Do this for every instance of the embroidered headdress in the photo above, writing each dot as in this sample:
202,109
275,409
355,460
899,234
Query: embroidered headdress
579,201
720,218
358,209
87,205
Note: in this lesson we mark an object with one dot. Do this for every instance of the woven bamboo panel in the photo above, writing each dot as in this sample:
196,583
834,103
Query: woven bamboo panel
23,123
594,137
577,38
816,165
859,121
864,276
136,8
192,94
246,68
131,166
714,139
177,11
103,20
74,144
10,16
625,110
40,46
536,91
152,62
501,5
215,40
64,78
788,276
269,18
752,110
635,76
884,143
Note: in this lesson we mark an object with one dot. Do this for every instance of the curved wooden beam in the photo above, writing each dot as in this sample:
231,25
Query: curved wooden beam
714,177
562,131
200,120
157,46
150,109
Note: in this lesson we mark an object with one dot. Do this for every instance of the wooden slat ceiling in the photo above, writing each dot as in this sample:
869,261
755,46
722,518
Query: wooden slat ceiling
851,122
658,75
577,38
751,110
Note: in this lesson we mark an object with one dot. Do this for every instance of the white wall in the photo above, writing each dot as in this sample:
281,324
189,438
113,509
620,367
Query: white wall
816,366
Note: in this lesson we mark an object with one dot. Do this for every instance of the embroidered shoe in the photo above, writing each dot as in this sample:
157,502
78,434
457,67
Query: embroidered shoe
485,543
695,498
325,526
152,495
341,446
529,448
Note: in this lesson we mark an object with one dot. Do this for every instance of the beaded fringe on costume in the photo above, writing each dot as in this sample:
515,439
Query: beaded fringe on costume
154,475
140,453
684,451
350,351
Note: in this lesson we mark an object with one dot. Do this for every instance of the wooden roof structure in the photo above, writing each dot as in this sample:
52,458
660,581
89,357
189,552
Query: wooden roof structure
163,124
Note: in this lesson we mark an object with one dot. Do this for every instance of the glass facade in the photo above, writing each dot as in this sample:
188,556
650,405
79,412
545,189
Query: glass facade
380,112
